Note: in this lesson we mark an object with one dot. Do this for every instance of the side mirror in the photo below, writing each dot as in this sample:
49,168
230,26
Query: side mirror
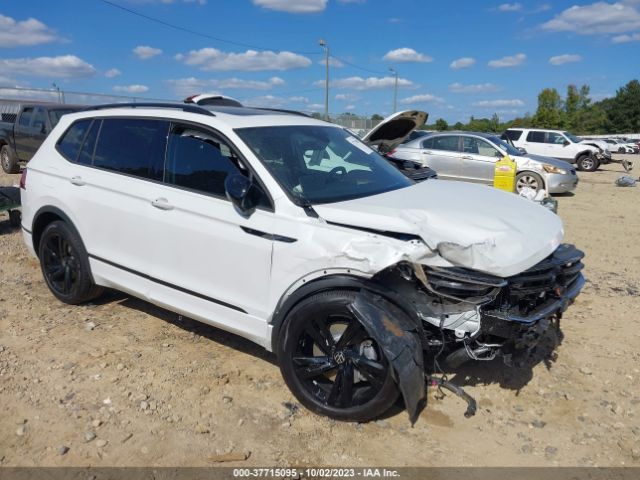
242,193
566,142
522,150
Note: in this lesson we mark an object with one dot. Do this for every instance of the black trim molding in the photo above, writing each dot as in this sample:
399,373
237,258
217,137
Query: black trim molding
269,236
167,284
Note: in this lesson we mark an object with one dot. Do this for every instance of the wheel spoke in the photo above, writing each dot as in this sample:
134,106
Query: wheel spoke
55,272
373,371
309,367
335,388
67,280
354,333
346,385
319,332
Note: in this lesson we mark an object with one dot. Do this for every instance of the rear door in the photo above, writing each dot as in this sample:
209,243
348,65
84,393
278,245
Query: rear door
535,143
442,153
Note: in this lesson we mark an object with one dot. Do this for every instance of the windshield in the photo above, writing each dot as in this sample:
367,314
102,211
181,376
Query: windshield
55,115
507,147
572,137
318,164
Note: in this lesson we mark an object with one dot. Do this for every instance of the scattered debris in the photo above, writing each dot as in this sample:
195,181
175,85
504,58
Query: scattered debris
229,457
626,181
62,450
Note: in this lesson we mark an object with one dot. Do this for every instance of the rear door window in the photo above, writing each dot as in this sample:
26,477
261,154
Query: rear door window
535,137
132,146
70,143
39,119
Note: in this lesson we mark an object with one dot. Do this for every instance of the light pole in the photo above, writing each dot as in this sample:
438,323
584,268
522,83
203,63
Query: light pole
395,89
324,45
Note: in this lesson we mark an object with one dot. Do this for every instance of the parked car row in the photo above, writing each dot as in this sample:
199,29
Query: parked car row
301,237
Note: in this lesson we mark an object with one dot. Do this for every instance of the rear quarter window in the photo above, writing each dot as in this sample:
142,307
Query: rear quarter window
71,141
535,137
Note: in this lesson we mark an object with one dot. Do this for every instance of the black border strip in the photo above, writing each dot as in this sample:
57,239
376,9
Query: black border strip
26,230
167,284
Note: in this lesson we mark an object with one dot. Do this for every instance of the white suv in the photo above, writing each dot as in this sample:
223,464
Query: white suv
293,233
558,144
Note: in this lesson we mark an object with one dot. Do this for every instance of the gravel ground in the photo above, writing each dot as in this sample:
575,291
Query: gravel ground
121,382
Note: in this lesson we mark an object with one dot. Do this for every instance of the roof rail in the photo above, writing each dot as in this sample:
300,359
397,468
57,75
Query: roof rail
282,110
180,106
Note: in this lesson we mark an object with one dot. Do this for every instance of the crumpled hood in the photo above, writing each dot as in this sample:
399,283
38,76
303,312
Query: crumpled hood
524,159
468,225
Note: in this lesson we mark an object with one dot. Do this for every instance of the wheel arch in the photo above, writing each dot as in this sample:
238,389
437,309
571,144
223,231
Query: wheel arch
541,175
324,284
43,217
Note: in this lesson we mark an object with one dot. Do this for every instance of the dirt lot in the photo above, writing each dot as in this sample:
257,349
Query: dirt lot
122,382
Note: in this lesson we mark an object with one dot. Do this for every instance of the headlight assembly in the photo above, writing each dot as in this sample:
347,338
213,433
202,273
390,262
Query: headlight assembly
552,169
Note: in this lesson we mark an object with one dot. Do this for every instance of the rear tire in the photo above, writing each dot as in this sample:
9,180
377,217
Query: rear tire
587,163
331,364
65,265
8,160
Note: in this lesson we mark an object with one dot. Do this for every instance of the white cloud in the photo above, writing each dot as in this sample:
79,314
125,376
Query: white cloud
315,107
293,6
144,52
371,83
474,88
566,58
510,7
509,61
24,33
404,55
333,62
463,62
351,1
347,97
350,107
634,37
423,98
597,18
266,101
114,72
64,66
498,103
192,85
299,99
131,88
250,61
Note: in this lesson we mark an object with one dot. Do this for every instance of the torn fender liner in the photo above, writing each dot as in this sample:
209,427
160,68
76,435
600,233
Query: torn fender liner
398,337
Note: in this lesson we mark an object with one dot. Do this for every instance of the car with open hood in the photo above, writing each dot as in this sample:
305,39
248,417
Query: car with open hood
471,157
297,235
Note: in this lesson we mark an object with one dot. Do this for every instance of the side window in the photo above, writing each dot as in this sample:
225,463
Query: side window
428,143
198,160
39,119
132,146
447,143
89,144
70,143
535,137
25,118
513,134
555,138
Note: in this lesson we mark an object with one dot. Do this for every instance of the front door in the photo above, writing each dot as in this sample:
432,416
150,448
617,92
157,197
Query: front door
442,154
478,160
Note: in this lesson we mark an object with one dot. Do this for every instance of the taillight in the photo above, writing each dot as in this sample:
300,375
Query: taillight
23,179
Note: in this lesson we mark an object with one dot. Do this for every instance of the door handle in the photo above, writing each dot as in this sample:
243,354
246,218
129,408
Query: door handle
428,152
162,204
467,157
77,181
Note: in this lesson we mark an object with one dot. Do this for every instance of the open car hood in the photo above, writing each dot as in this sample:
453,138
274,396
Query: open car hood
394,129
467,225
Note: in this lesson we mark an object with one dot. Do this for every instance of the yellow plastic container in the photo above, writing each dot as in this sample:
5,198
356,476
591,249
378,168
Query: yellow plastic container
504,174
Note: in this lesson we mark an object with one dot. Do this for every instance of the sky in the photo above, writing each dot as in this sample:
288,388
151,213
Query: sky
453,59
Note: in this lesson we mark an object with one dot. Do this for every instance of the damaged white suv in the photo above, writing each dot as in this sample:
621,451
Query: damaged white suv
295,234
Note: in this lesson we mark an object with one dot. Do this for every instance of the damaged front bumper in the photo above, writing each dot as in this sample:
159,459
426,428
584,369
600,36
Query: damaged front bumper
460,314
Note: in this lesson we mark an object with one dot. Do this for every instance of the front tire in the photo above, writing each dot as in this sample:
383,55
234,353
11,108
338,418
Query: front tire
65,265
330,362
529,180
587,163
8,160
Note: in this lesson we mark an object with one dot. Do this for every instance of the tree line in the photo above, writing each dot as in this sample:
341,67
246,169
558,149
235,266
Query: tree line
575,112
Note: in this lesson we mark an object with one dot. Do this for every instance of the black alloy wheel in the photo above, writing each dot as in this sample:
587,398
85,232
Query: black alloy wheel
332,364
